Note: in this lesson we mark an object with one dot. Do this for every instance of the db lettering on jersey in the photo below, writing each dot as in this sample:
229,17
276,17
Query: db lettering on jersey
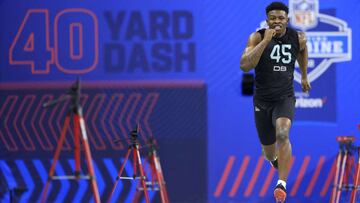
279,68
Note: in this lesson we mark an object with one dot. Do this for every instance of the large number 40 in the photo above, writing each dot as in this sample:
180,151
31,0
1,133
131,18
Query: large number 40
74,51
285,52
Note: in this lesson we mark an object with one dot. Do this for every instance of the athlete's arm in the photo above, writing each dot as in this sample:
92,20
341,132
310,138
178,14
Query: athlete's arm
254,49
303,62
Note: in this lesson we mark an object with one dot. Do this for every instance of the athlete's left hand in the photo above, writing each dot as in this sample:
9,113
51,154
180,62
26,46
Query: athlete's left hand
305,85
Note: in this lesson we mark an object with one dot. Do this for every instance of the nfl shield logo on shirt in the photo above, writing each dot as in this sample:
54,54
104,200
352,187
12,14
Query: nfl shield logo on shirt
304,13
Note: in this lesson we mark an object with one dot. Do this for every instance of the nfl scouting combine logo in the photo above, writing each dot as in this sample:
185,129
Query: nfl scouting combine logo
328,46
328,42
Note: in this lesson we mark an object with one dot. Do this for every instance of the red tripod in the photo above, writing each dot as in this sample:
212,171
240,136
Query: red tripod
356,182
344,164
75,111
157,179
134,148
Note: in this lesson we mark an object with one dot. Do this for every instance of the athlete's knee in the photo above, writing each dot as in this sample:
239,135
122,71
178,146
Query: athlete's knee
282,135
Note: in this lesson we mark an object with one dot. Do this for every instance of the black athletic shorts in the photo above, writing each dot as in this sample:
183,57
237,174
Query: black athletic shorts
266,114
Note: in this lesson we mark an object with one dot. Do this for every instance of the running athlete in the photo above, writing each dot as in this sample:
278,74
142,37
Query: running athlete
273,52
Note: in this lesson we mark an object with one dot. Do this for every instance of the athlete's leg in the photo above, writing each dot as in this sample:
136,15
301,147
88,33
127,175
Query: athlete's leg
282,117
282,128
265,129
269,151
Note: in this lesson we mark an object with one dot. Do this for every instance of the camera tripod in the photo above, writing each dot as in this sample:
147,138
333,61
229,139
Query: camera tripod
134,149
344,163
75,112
157,178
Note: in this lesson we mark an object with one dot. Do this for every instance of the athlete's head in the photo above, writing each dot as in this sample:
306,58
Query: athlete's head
277,17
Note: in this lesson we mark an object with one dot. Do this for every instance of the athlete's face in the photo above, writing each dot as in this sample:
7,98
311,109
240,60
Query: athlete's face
277,20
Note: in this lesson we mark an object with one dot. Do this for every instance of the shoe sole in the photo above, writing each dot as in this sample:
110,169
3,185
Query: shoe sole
279,195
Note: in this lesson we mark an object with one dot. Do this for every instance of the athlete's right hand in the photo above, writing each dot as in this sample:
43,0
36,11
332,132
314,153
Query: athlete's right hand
269,33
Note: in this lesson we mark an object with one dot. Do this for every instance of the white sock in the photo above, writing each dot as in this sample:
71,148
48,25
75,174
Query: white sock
283,183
